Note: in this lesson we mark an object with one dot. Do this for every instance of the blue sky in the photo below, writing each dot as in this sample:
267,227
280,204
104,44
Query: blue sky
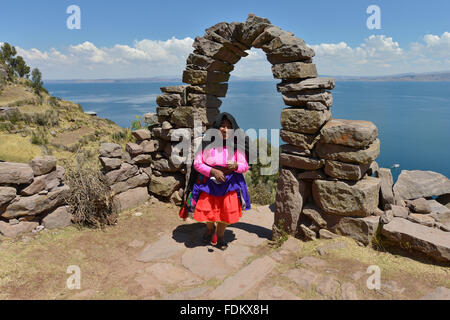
335,29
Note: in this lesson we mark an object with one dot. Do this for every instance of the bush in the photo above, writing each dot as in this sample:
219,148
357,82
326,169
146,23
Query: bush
261,188
90,196
39,137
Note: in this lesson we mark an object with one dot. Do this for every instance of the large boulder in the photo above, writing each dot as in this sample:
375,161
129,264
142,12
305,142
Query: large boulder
14,231
184,117
214,50
134,182
290,197
60,218
131,198
431,241
306,84
43,165
305,98
203,101
420,184
142,134
357,199
348,154
165,185
345,171
294,70
46,182
7,194
303,141
110,164
360,229
125,172
15,173
352,133
304,121
201,62
287,48
200,77
305,163
110,150
37,204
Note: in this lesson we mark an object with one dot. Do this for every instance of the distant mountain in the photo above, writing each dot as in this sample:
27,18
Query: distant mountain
127,80
430,76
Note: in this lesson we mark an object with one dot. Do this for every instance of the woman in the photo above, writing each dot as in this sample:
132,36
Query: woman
219,192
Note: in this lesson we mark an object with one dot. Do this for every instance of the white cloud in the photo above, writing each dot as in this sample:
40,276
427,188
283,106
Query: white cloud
376,55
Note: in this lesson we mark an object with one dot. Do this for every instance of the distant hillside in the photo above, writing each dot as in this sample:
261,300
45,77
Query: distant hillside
38,124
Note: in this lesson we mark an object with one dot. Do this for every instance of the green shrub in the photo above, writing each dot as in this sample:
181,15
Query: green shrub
39,137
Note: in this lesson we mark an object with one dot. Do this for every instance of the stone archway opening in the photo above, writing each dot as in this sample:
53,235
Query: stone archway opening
326,164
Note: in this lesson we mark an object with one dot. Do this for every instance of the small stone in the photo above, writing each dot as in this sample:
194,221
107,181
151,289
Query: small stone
134,149
387,217
110,150
420,205
142,134
325,234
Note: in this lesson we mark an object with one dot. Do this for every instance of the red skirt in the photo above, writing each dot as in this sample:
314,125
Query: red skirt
226,209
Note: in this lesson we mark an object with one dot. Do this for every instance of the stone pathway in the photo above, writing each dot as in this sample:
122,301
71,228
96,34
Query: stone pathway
179,266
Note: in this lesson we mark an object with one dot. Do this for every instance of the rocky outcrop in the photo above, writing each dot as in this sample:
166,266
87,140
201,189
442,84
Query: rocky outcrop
420,184
431,241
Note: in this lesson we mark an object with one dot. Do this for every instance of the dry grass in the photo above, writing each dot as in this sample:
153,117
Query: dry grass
15,148
90,195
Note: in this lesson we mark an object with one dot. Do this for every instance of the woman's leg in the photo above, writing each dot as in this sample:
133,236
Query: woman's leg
209,231
221,229
209,227
220,234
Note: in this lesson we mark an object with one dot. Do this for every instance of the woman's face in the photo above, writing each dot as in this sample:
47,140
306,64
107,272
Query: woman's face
226,129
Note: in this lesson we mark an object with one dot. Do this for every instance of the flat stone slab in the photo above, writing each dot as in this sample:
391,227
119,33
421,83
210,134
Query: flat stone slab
348,291
431,241
164,248
440,293
244,280
188,294
276,293
352,133
313,262
420,184
169,274
327,286
207,265
304,278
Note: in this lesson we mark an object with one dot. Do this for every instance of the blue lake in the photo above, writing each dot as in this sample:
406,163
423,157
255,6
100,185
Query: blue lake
413,118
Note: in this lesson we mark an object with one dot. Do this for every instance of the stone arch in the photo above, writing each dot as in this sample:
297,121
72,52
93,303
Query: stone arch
326,163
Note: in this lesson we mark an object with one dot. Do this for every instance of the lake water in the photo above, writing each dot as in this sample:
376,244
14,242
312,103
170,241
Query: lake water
413,118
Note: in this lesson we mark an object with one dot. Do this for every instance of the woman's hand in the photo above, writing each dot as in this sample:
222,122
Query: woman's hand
219,175
232,166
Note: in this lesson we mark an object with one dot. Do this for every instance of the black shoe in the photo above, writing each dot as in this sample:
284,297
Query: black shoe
222,245
208,236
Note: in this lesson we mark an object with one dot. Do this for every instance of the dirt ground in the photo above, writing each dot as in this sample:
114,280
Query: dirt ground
35,266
